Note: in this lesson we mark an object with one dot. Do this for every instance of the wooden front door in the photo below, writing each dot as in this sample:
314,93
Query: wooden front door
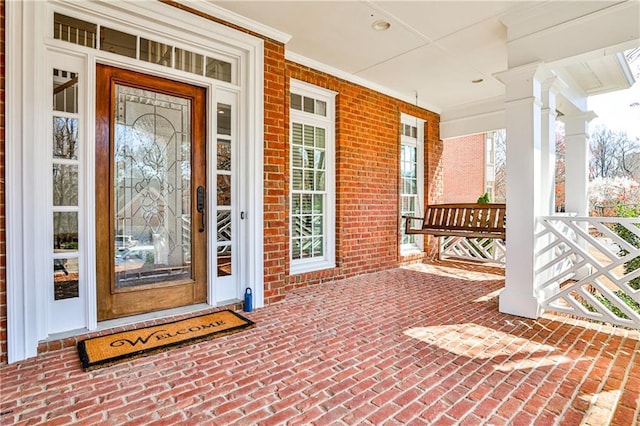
150,193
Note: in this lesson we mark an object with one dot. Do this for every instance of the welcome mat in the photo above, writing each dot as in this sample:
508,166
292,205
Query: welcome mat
103,351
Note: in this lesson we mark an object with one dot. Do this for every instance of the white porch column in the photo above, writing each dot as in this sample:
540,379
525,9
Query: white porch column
576,181
523,108
577,162
550,89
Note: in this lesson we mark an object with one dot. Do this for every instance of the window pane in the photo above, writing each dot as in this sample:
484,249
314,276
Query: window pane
317,225
320,142
296,159
319,181
65,232
224,119
224,226
403,205
318,159
308,180
306,203
321,108
307,247
413,204
296,230
155,52
224,154
65,278
65,138
410,186
220,70
305,226
295,204
318,246
318,201
309,104
74,30
117,42
297,134
297,180
296,101
65,91
295,248
224,190
65,185
189,61
224,261
308,135
308,158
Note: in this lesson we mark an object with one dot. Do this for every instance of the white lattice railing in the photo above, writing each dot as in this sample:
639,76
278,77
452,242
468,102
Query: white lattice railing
580,267
477,249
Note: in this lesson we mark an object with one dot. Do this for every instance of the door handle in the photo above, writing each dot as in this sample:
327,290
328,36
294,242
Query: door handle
200,203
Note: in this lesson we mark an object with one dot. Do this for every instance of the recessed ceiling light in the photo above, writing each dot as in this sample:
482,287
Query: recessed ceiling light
477,80
381,25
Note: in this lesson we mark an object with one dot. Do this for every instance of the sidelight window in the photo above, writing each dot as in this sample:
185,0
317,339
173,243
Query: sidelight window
65,167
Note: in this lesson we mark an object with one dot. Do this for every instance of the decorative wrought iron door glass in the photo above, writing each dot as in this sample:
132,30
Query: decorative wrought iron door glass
152,187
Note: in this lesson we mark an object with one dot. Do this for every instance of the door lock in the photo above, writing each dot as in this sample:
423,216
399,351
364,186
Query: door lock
200,203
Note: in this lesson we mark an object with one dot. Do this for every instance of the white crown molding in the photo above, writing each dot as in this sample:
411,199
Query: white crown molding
236,19
319,66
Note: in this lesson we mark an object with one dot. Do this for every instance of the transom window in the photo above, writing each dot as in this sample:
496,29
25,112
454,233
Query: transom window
312,178
84,33
308,104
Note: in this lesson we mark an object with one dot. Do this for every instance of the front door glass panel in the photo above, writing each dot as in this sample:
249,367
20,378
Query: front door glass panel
152,187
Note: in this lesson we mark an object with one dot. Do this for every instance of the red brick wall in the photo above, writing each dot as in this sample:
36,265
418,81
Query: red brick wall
367,176
275,173
3,281
463,161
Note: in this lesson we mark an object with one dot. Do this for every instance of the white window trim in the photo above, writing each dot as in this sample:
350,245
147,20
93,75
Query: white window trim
418,246
299,266
29,23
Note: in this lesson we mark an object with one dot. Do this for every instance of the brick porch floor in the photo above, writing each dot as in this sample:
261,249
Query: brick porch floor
420,345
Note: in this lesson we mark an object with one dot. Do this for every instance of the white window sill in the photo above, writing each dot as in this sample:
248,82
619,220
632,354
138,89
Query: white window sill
310,266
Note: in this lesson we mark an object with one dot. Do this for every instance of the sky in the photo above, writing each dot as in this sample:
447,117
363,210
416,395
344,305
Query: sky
615,109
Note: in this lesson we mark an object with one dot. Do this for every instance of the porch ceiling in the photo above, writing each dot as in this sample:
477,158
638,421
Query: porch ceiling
434,50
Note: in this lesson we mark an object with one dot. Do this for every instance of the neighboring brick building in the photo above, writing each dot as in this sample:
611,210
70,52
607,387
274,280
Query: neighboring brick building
467,169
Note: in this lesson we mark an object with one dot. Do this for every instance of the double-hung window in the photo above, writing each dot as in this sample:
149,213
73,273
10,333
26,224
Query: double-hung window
312,168
411,177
